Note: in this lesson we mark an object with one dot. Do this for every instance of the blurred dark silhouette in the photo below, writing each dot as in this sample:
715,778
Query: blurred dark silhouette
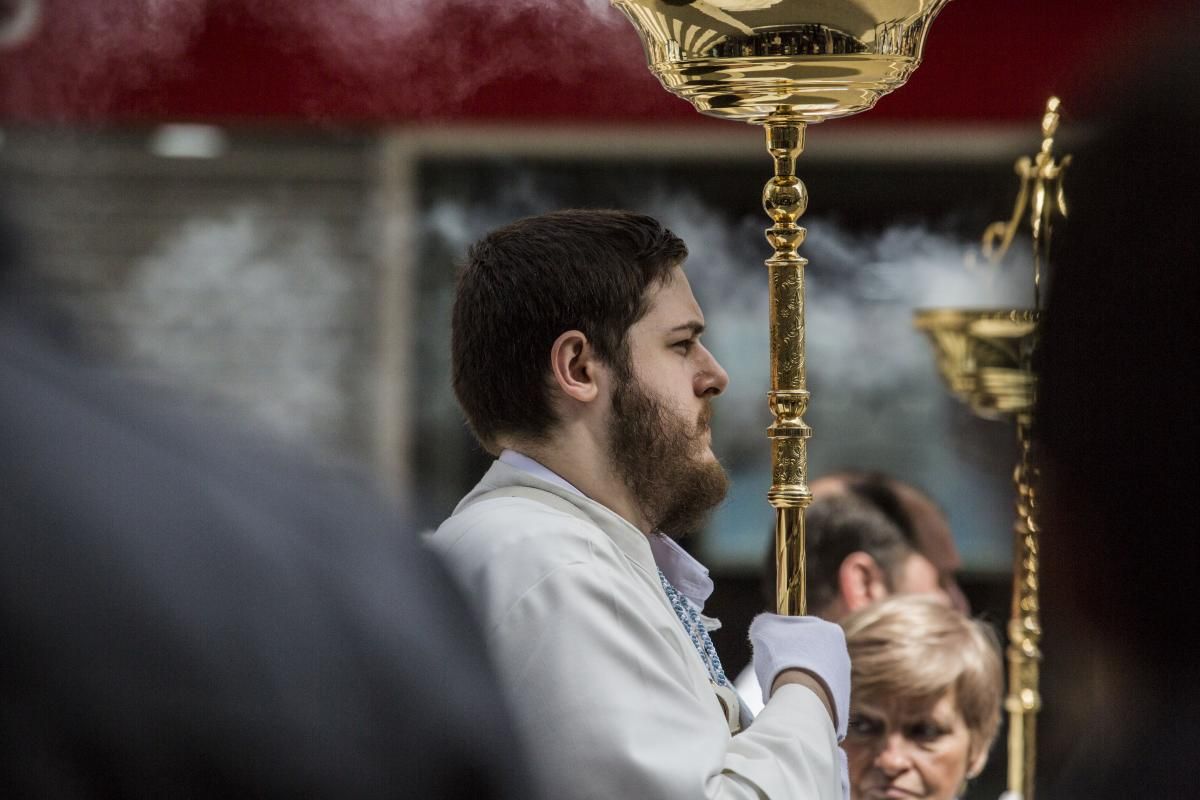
188,611
1117,429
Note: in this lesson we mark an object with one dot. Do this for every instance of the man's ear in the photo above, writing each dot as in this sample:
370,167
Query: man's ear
861,581
574,366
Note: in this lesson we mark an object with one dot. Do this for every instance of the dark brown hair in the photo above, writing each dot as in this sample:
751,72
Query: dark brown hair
843,524
525,284
868,516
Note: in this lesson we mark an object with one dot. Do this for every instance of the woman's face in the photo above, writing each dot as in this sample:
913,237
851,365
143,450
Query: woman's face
902,751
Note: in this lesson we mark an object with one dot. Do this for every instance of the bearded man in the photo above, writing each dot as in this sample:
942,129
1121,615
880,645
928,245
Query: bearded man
578,362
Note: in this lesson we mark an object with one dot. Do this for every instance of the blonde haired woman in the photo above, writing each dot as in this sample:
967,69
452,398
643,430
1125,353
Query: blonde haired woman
926,684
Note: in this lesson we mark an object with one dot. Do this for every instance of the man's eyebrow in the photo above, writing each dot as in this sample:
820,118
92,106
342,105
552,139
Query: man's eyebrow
696,328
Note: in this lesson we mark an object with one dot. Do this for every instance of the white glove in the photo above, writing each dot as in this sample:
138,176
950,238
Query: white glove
806,643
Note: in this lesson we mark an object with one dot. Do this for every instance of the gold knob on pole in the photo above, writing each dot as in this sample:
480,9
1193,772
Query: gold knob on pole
783,64
785,199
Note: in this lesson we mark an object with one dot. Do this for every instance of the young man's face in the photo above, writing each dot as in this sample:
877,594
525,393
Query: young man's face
659,433
669,362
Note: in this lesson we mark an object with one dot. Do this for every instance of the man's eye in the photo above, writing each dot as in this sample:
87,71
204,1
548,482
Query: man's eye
685,346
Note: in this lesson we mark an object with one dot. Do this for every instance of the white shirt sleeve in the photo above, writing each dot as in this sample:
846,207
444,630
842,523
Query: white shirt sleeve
611,710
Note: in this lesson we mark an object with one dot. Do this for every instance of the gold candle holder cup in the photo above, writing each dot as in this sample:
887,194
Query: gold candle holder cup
784,64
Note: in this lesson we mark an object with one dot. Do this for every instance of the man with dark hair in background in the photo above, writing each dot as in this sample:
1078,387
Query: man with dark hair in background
855,556
913,554
578,361
187,611
867,536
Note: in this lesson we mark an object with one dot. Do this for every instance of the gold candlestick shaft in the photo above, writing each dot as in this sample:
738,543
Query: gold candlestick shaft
1024,627
985,356
783,64
785,200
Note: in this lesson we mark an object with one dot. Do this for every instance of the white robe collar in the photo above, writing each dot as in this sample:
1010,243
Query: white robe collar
684,572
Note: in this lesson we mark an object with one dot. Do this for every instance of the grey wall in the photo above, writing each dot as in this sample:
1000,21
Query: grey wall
248,278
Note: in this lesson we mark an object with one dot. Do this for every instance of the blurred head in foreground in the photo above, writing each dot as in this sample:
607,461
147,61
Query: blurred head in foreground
189,611
925,699
1118,436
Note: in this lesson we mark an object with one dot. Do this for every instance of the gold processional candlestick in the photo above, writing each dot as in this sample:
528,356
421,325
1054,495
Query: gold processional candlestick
985,358
784,64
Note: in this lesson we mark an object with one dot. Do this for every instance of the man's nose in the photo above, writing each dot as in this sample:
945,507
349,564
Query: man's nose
712,377
894,758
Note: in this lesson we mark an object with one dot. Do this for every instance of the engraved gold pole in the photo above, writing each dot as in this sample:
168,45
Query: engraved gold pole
1042,191
785,200
1042,181
985,357
783,64
1024,627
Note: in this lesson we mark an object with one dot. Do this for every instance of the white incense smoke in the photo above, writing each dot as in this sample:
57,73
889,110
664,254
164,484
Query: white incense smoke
94,52
877,400
93,49
422,45
249,309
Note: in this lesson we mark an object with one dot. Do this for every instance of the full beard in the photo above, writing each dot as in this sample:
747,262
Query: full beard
657,454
